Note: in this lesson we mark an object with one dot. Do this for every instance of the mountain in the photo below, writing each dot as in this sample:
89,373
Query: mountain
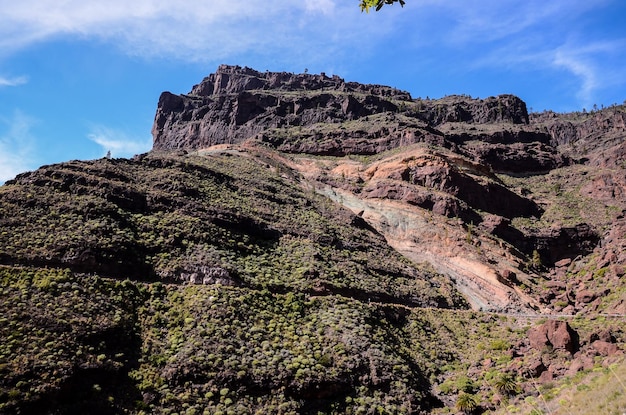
296,243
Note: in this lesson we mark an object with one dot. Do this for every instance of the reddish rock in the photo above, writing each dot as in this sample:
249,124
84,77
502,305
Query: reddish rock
587,277
576,366
546,376
492,223
588,362
560,285
553,333
604,335
536,367
618,270
507,277
580,363
439,203
565,262
569,310
605,348
585,296
594,305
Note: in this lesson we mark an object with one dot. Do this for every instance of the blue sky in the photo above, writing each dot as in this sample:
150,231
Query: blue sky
81,77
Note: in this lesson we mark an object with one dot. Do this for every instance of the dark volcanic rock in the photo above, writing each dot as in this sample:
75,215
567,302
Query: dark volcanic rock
372,140
235,79
306,113
564,242
517,157
235,104
503,108
591,130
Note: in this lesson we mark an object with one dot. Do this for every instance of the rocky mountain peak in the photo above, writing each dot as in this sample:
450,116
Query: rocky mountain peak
236,104
236,79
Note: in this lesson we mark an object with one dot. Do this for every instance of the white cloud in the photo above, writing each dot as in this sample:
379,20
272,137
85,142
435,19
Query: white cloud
16,145
481,21
323,6
119,143
193,29
323,34
594,66
550,37
17,81
581,59
583,69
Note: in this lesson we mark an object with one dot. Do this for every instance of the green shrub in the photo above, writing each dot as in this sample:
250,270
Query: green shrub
467,403
499,344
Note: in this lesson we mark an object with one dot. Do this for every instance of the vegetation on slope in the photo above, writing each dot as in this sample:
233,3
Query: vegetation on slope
68,342
233,219
220,283
77,343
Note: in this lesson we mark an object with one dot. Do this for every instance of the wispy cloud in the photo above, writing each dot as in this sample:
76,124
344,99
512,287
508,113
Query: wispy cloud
593,66
321,6
119,143
538,36
16,81
581,67
16,145
482,21
194,29
581,59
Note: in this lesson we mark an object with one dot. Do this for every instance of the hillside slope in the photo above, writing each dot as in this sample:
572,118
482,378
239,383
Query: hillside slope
299,244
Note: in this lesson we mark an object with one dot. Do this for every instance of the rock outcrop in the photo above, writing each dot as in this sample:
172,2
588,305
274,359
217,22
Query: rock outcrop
555,334
237,104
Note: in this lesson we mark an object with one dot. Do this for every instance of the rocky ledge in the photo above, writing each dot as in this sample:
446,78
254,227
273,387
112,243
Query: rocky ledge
318,114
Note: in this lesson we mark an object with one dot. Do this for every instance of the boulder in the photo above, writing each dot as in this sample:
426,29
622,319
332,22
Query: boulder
604,335
585,296
554,333
546,377
536,367
604,348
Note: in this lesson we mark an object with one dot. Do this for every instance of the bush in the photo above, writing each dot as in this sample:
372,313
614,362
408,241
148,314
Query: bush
467,403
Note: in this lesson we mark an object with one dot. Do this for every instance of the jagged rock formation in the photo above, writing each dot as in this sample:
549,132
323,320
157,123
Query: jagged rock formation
299,113
237,103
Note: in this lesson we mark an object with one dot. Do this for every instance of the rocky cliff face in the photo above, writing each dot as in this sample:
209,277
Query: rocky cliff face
237,104
318,114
